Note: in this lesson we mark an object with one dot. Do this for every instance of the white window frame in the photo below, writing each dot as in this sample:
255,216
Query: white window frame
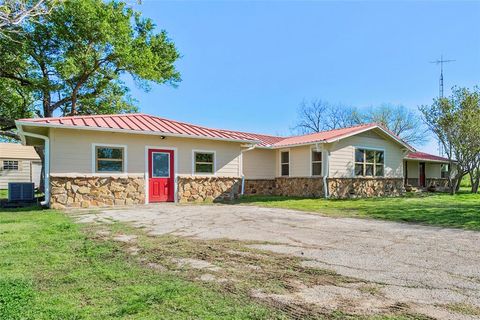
374,169
214,173
109,145
289,162
12,164
311,162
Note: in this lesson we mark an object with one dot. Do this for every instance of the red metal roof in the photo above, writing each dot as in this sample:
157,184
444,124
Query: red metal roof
152,124
425,156
139,122
264,139
322,136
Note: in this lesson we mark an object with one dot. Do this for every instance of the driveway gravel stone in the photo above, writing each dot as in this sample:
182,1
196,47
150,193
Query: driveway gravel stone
425,267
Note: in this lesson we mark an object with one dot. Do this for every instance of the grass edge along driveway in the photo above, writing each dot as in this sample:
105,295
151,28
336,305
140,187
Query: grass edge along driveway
51,269
438,209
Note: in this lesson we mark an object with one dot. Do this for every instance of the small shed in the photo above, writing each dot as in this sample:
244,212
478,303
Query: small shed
19,163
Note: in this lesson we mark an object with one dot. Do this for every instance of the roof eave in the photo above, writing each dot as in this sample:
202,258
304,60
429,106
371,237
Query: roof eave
166,134
428,160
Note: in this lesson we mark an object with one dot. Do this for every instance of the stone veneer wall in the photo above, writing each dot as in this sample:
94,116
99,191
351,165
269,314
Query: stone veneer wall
311,187
341,188
96,191
414,182
440,183
208,189
260,186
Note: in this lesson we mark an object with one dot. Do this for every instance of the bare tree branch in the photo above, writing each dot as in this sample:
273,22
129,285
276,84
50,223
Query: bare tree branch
14,13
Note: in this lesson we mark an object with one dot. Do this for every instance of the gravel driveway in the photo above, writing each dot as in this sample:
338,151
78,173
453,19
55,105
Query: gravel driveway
428,267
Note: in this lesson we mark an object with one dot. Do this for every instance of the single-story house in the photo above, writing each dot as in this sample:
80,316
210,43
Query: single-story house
19,163
138,158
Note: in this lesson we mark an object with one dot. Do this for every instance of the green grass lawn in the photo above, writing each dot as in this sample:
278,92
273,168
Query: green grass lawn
460,211
52,268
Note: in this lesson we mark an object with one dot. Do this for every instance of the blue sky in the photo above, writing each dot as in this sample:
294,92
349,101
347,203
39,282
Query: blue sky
246,65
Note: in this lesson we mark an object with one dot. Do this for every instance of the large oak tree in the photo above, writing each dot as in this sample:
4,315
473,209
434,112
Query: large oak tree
75,60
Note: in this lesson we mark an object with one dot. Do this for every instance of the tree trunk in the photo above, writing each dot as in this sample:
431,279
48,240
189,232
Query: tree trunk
455,183
475,185
475,178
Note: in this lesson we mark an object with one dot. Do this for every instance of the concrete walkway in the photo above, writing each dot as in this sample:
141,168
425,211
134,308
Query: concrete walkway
427,267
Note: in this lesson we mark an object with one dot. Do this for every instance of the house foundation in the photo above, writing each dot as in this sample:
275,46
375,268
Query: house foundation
208,189
313,187
90,191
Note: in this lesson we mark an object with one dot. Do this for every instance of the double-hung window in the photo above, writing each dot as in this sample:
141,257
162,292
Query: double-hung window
316,163
109,159
369,163
10,165
444,171
285,163
204,162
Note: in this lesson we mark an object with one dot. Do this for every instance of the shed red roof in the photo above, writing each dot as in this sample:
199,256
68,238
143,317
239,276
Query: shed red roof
425,156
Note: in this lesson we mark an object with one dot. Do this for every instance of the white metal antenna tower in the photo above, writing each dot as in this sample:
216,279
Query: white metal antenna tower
440,91
441,62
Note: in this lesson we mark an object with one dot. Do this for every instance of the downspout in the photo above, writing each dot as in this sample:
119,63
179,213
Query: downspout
47,162
243,176
325,176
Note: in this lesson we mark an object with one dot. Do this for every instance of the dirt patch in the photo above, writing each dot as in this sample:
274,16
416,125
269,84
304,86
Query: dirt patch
195,264
309,263
127,238
278,280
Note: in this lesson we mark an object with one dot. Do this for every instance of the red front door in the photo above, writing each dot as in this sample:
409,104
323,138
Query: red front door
160,175
422,174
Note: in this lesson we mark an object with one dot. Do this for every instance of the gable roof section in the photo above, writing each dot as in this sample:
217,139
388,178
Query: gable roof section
136,123
322,136
337,134
17,151
147,124
425,156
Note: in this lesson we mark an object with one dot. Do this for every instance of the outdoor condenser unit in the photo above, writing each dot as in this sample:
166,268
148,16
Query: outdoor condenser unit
21,191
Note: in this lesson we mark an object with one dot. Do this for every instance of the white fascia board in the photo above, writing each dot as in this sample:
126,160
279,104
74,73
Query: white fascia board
294,145
428,160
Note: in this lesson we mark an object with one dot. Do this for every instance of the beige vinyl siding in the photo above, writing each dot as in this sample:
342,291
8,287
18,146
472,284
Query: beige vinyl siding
342,154
20,175
413,170
433,170
300,160
259,164
71,151
36,172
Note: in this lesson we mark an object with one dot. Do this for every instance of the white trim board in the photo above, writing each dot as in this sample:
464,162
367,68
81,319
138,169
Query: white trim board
374,149
280,162
107,145
214,163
